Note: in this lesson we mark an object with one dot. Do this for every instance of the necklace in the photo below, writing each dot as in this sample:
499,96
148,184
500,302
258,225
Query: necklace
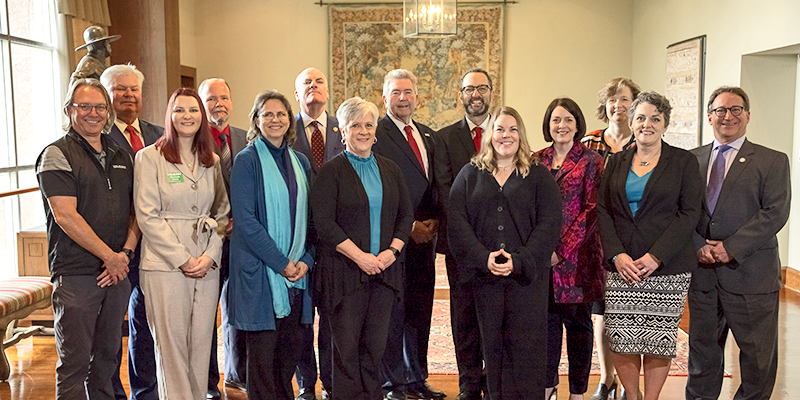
506,167
646,163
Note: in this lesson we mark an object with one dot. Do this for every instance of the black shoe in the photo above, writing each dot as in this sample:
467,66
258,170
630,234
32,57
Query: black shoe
213,394
603,392
306,394
423,391
327,394
235,385
469,395
396,394
553,394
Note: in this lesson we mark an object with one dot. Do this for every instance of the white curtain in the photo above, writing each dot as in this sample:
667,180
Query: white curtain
94,11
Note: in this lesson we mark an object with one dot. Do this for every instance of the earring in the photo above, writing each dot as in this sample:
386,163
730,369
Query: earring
375,141
343,141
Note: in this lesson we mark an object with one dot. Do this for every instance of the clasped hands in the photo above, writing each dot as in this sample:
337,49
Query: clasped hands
197,267
423,231
115,269
373,265
497,269
713,252
636,270
294,271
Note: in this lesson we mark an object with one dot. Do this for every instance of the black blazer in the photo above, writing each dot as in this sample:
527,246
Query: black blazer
753,205
667,214
150,133
341,211
392,144
453,150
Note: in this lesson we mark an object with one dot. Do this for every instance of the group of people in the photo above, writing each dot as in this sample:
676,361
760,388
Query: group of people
343,216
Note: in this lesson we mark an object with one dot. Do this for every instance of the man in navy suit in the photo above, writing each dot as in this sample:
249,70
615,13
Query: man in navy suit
410,145
124,85
738,280
216,96
455,146
311,91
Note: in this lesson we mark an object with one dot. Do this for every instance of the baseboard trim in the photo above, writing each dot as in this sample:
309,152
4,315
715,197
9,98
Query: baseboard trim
790,278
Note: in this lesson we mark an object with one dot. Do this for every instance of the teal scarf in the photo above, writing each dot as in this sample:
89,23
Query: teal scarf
279,222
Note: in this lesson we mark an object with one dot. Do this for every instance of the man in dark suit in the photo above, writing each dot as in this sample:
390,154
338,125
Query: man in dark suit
216,96
455,146
311,91
124,84
410,145
736,287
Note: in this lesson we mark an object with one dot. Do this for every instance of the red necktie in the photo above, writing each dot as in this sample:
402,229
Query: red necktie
413,143
317,145
477,139
136,143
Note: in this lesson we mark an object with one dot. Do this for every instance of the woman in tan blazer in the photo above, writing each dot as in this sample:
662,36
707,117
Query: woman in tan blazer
182,211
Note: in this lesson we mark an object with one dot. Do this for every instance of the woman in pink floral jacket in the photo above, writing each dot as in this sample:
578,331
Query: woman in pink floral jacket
577,276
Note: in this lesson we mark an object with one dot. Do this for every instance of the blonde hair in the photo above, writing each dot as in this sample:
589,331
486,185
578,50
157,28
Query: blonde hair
486,159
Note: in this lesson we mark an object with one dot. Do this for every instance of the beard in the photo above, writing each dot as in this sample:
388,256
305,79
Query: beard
476,112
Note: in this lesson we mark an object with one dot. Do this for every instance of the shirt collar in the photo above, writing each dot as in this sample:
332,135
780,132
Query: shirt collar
736,144
124,125
400,124
484,125
217,133
321,120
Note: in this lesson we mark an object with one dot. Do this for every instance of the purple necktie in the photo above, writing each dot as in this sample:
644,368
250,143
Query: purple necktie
716,178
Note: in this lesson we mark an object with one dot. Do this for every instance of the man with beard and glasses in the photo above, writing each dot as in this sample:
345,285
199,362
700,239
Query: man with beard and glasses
455,146
216,96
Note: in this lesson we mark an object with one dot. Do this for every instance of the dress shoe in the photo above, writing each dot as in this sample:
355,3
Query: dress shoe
469,395
306,394
553,394
603,391
423,391
395,394
213,394
327,394
235,385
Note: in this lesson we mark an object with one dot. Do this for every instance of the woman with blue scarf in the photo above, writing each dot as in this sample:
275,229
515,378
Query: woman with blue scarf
267,296
363,216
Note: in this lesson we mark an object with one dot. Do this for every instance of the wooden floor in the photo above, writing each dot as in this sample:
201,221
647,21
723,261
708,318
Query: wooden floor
33,363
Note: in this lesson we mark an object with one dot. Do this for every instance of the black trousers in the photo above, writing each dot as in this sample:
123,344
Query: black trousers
406,358
512,317
466,334
577,319
753,319
359,326
272,356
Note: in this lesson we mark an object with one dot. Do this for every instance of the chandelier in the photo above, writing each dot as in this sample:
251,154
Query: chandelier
429,18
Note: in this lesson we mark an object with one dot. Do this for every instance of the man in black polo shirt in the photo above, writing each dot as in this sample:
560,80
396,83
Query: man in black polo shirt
87,185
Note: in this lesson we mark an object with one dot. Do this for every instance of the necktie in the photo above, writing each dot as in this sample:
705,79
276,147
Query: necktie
413,143
477,139
136,143
716,178
225,153
317,145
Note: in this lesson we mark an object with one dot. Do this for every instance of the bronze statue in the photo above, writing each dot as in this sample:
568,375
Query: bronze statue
98,42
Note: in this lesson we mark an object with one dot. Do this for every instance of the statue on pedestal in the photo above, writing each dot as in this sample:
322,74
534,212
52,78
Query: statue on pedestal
98,43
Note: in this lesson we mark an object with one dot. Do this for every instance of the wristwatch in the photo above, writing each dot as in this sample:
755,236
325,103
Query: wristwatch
128,252
394,251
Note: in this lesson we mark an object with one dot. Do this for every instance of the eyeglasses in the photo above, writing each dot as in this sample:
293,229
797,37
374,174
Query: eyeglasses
482,89
270,115
87,108
723,111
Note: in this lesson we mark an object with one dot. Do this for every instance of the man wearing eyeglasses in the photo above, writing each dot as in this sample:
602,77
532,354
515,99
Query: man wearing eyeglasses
736,285
455,146
123,83
86,182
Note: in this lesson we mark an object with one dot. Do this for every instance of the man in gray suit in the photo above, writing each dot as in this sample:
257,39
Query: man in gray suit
124,84
311,91
737,284
216,96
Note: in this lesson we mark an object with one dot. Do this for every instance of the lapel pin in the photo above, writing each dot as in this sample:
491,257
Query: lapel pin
742,159
335,129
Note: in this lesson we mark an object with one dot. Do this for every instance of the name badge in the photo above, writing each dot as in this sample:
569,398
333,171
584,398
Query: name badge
174,177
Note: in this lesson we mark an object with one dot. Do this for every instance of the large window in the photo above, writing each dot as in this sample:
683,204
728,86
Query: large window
31,81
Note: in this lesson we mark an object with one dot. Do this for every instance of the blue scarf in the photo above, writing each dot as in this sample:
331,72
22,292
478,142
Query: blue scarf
279,223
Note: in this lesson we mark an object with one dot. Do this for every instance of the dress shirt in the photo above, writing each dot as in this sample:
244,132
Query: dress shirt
124,125
420,143
322,120
484,125
730,155
217,140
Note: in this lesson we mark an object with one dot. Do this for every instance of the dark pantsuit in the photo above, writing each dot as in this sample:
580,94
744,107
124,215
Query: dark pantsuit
359,327
466,335
512,320
306,374
406,357
577,319
87,321
753,319
272,356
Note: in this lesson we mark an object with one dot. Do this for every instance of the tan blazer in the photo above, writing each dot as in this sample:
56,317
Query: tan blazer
180,213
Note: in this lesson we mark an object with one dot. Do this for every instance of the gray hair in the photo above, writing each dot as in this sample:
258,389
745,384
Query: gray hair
732,90
113,72
208,81
79,83
353,108
660,102
398,74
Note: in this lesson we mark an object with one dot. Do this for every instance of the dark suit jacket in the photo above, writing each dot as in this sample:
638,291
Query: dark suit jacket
668,211
753,205
238,143
392,144
453,150
150,133
341,211
333,141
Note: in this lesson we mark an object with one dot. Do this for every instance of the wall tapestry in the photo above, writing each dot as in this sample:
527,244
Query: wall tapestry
367,42
684,89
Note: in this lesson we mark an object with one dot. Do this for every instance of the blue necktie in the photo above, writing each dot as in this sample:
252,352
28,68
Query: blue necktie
716,178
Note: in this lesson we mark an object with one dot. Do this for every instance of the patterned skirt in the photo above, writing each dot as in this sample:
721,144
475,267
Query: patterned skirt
643,318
